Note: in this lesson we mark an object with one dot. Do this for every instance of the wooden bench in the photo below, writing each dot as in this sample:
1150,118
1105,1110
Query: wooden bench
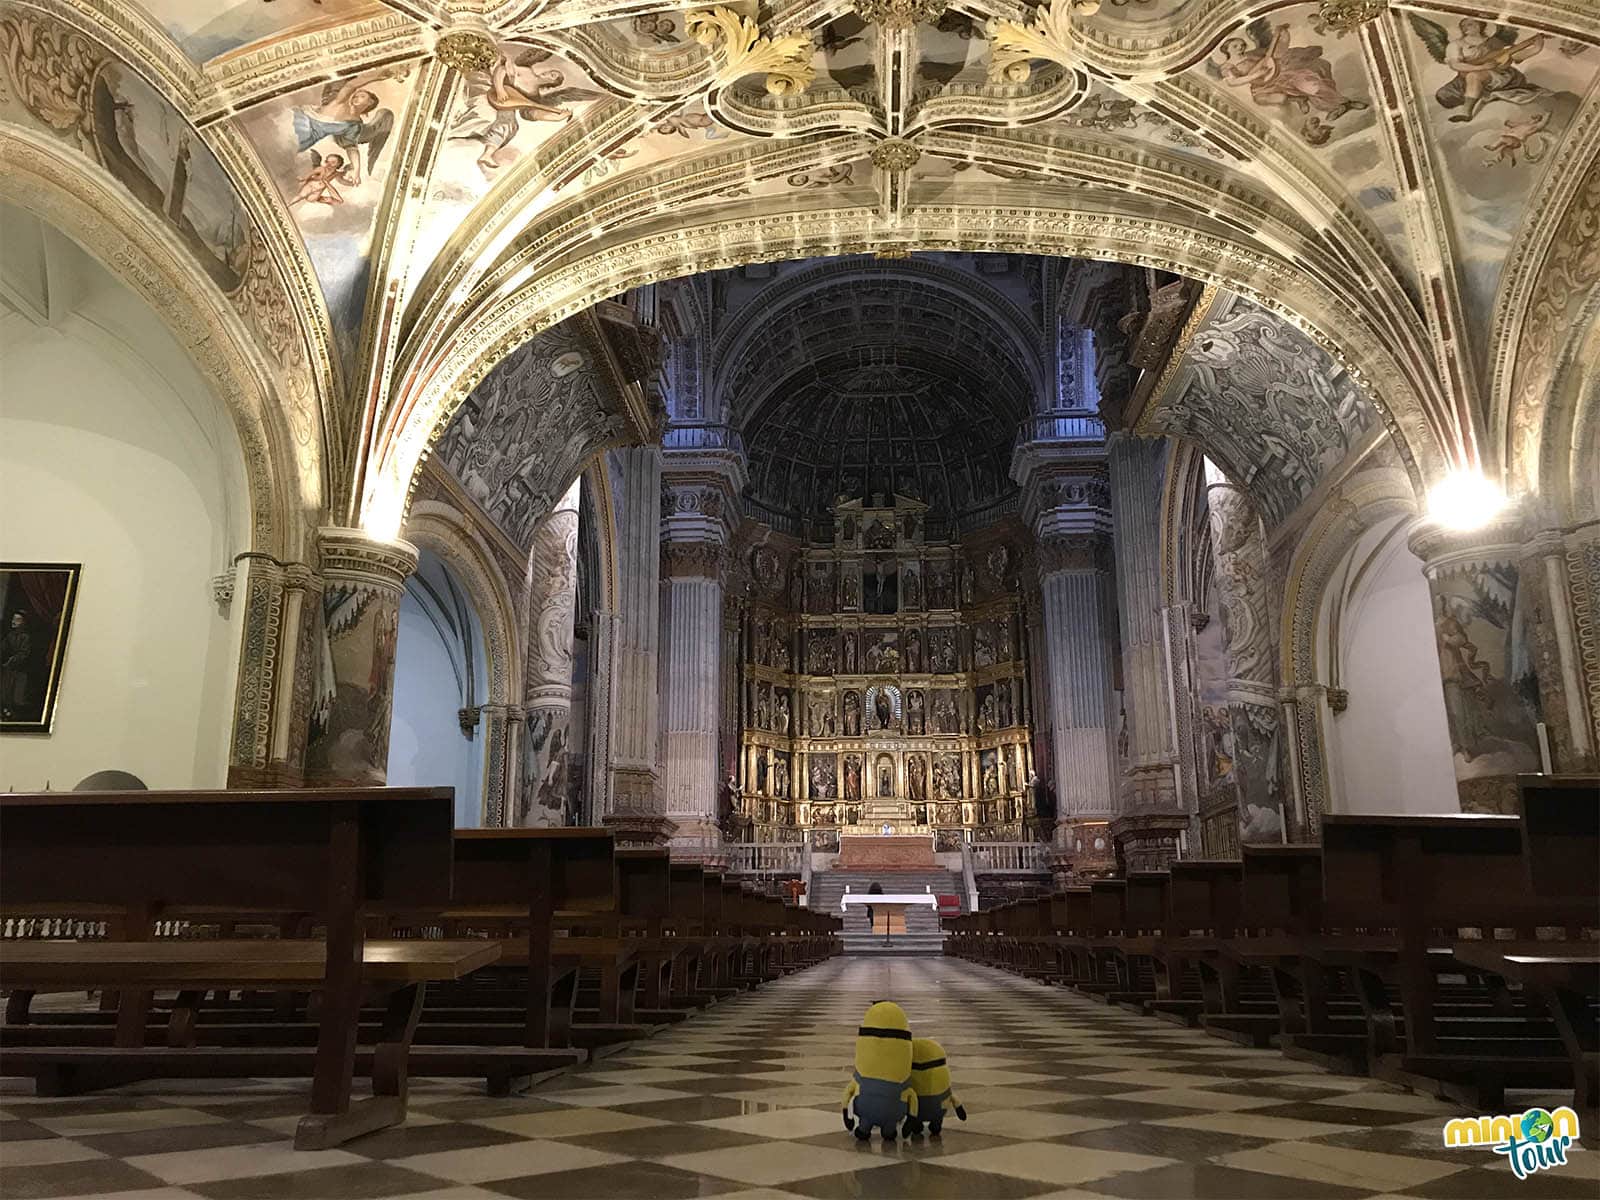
335,853
1560,828
1396,892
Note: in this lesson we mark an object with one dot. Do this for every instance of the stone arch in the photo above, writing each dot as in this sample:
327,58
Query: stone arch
632,257
76,197
439,527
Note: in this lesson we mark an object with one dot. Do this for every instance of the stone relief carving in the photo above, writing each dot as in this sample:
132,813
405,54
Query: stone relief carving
1269,406
520,437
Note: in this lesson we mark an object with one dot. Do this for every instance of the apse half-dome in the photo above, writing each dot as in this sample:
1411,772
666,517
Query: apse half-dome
903,379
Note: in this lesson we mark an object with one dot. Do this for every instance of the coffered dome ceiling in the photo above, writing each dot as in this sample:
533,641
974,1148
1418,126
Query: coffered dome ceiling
854,378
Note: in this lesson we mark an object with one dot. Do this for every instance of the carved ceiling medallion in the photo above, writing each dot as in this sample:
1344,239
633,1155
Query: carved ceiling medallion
1343,16
895,154
900,14
466,50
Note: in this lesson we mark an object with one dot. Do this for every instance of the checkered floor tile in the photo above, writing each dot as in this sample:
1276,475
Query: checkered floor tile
1066,1098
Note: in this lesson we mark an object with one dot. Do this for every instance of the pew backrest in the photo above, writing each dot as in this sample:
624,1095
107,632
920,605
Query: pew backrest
1418,872
1561,839
301,850
1282,889
497,867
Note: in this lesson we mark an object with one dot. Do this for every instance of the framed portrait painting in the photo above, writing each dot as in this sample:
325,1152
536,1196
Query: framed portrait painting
36,603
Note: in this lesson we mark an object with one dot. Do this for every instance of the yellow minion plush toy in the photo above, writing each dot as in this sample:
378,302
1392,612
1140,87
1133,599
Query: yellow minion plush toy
930,1079
880,1092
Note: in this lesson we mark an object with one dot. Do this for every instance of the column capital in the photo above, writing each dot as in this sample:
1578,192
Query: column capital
694,559
1074,550
350,555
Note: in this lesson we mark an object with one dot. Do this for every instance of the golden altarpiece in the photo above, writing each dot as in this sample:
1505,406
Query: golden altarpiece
883,686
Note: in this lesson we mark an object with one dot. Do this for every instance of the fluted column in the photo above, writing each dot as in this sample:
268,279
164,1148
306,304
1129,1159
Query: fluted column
552,585
636,812
700,487
1149,813
1075,581
1066,500
353,701
690,707
1248,634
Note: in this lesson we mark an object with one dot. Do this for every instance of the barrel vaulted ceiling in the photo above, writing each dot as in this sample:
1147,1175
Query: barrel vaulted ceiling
393,194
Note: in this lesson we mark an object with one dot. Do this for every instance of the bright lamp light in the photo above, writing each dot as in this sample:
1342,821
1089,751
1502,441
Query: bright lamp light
1465,499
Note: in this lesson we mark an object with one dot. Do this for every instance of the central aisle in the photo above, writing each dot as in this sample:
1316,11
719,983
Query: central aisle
1066,1098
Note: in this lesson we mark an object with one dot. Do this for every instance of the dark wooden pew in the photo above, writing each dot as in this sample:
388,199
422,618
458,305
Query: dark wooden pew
1397,890
1560,828
338,854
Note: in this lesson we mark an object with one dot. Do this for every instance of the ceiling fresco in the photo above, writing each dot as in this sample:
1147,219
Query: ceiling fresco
438,174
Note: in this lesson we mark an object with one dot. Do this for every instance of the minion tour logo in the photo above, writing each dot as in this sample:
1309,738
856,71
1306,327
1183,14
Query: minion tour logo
1535,1140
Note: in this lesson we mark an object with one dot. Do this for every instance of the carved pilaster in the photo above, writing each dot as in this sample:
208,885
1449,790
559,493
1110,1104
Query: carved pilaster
1557,645
277,662
1583,587
1148,783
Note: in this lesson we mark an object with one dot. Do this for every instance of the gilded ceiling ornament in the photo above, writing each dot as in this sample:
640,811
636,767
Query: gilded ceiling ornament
900,14
739,49
1344,16
466,50
895,154
1048,37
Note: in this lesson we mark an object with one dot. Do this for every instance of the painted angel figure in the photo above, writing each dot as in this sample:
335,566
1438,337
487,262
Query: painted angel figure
1279,74
351,117
1485,62
512,99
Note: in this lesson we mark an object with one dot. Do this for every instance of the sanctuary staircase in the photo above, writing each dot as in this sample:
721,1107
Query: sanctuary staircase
922,935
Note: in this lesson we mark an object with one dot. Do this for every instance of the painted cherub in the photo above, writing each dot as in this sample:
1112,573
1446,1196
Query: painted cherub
317,186
1525,136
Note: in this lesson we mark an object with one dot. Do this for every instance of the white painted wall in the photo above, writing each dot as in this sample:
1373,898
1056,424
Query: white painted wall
1392,746
426,746
115,454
